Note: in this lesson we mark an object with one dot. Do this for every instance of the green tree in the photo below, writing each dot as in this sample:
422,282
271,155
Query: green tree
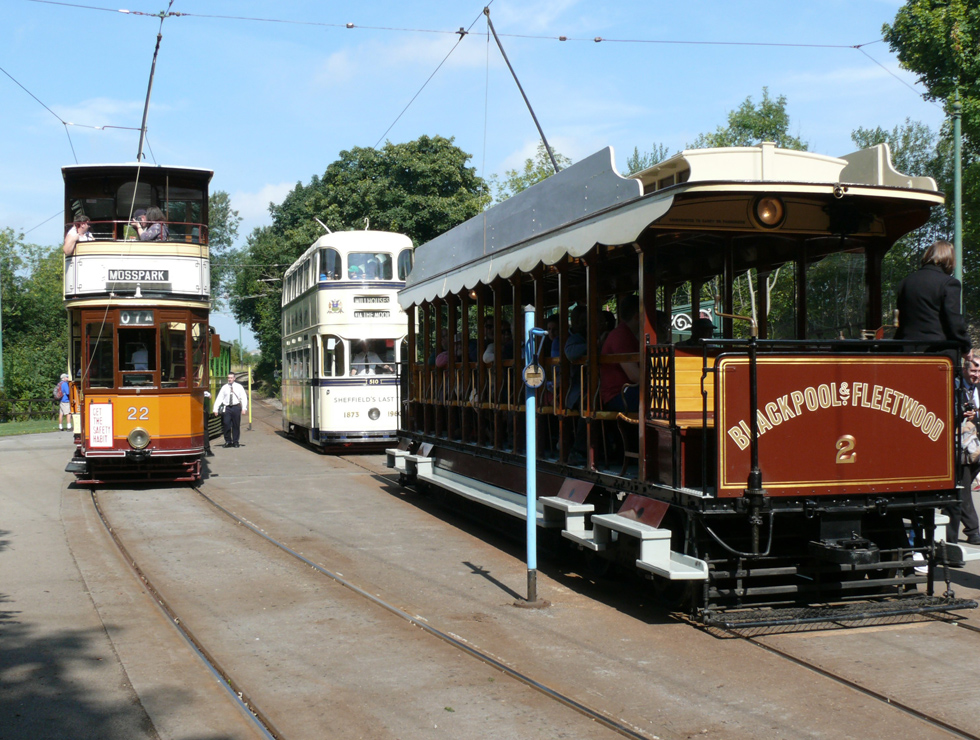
637,161
534,171
752,124
939,40
223,223
35,325
421,188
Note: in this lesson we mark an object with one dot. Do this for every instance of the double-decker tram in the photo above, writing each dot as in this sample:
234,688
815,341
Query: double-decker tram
751,478
343,337
137,290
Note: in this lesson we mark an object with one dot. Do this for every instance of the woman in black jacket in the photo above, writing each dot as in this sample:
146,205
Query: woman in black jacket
929,301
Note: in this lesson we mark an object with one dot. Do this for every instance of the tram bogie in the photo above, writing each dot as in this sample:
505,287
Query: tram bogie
343,340
767,469
138,310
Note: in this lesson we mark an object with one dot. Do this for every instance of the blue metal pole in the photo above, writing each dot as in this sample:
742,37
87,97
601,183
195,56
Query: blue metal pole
532,465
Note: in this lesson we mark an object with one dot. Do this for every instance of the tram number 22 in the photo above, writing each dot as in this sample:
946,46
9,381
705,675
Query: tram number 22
845,449
138,414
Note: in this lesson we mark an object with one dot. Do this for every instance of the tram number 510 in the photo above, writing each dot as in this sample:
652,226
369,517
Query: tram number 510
138,414
845,449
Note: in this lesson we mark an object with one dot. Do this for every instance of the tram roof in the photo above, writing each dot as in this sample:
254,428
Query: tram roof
354,241
590,203
121,168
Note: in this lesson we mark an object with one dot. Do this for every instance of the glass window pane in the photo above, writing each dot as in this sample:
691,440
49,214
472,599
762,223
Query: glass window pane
404,264
99,368
369,266
199,350
333,357
173,355
137,356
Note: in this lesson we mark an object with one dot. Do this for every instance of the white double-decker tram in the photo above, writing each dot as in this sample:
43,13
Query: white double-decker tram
343,337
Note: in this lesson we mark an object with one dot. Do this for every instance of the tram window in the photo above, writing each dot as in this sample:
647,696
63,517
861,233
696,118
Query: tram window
173,355
329,264
405,258
371,357
334,360
137,356
199,347
99,364
369,266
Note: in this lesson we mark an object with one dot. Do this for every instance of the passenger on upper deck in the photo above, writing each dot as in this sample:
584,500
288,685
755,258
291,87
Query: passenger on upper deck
929,301
612,377
79,232
156,230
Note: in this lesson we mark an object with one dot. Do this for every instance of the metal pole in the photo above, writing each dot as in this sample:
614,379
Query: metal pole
957,193
554,163
249,398
149,89
532,466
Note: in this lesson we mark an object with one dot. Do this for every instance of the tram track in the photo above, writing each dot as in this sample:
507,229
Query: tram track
867,691
451,640
259,719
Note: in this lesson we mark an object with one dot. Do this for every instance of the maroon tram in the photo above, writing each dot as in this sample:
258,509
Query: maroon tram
758,474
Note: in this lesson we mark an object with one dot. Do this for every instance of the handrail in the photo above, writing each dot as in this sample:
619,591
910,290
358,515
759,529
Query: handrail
119,226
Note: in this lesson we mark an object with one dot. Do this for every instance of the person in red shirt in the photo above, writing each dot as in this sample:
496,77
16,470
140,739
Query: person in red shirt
612,377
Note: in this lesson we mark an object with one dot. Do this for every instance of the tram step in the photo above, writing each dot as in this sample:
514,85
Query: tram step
961,553
570,515
396,458
655,554
474,490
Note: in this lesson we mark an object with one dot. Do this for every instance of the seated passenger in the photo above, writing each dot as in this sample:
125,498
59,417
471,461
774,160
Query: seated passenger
140,359
366,362
576,347
612,377
79,232
151,227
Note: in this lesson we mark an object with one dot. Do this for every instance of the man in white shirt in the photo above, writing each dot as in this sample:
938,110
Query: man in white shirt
231,403
367,362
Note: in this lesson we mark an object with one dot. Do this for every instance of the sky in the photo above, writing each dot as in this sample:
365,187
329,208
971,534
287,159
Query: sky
267,94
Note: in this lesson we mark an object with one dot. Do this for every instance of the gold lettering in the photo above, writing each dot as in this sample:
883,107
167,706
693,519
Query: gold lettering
845,449
857,393
740,437
886,399
764,425
797,397
784,408
898,402
865,401
772,411
876,398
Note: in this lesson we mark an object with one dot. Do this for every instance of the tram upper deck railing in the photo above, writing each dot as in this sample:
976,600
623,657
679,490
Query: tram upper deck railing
180,232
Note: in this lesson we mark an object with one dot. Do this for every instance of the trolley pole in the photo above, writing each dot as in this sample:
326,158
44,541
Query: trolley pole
533,379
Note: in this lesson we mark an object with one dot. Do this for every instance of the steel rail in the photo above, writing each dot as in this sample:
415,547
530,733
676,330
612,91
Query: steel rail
871,693
418,621
258,718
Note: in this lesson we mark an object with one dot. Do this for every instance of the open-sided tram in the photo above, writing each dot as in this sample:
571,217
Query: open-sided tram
138,309
802,467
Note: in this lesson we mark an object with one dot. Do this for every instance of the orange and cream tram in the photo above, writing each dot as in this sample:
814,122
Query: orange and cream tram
755,476
343,335
138,309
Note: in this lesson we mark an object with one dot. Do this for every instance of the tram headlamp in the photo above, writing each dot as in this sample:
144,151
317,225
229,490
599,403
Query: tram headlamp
138,438
770,211
374,414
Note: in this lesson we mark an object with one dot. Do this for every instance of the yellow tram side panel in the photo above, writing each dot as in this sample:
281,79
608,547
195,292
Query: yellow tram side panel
166,418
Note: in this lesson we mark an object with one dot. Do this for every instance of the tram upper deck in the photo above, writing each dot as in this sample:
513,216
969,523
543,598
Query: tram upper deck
113,259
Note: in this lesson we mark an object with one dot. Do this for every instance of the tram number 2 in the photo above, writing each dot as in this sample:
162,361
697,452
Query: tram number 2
138,414
845,449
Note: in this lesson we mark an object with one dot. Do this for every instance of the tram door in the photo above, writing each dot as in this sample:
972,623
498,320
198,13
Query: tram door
315,389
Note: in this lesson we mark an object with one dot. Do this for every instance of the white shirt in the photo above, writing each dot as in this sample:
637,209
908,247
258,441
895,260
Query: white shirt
86,237
365,363
231,394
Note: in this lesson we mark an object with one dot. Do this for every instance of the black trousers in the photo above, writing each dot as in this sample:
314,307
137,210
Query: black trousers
965,511
231,423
